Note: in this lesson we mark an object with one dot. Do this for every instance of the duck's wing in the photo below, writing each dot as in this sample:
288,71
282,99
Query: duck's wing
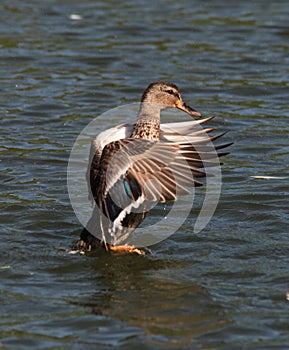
135,172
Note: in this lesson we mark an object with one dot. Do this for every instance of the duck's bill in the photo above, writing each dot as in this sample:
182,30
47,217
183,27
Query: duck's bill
184,107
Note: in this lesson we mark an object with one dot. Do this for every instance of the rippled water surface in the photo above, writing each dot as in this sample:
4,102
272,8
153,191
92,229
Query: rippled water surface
63,63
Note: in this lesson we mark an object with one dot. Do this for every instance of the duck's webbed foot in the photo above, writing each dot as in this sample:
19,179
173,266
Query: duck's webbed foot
125,249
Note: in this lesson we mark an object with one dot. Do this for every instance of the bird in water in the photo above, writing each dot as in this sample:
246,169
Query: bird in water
134,166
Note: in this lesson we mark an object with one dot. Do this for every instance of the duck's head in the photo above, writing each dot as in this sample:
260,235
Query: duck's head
167,95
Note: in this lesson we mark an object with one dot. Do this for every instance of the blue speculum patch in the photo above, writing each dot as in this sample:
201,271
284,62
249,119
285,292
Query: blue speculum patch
127,189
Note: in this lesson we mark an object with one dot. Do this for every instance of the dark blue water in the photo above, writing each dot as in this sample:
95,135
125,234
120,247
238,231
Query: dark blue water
222,288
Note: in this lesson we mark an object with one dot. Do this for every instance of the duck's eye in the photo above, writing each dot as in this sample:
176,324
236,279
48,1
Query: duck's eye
171,92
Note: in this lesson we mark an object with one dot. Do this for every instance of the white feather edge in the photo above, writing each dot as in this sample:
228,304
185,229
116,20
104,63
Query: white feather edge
127,210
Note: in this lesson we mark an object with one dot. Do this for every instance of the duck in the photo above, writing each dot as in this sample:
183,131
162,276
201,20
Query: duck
134,166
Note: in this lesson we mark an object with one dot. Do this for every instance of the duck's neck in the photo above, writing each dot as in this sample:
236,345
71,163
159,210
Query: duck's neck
147,125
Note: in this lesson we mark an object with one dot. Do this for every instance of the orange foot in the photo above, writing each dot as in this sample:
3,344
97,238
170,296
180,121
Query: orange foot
124,249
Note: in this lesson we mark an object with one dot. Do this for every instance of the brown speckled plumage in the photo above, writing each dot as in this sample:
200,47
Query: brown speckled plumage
149,131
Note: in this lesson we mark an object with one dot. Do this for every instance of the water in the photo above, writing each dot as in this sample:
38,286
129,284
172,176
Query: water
223,288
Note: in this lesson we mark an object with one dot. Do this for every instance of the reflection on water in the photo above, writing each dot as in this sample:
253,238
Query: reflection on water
223,288
157,305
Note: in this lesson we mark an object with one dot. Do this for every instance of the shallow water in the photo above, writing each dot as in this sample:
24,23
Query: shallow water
222,288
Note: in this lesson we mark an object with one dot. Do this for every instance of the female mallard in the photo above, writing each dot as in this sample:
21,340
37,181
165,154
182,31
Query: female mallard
132,167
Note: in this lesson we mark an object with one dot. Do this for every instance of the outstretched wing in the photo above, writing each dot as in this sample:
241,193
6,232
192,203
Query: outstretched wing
135,173
157,171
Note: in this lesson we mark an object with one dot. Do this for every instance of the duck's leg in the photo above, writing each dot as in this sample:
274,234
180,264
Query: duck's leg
87,242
